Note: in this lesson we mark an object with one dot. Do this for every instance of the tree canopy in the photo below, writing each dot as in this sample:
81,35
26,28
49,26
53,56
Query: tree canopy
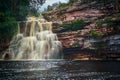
12,11
20,8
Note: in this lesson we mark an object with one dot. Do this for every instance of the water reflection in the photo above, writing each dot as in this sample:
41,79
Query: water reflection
59,70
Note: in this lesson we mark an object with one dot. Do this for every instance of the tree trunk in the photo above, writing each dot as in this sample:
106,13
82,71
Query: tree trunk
117,6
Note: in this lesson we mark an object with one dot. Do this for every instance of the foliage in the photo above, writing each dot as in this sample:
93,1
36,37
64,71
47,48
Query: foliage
111,24
105,4
66,26
99,22
76,24
75,44
100,45
49,7
96,34
103,21
34,6
8,28
99,4
20,8
62,5
57,5
12,11
70,2
117,16
108,21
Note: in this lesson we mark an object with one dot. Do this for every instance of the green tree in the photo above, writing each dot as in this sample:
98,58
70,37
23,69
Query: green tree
12,11
20,8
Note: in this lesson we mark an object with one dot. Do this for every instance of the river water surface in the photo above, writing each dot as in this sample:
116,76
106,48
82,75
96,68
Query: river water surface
59,70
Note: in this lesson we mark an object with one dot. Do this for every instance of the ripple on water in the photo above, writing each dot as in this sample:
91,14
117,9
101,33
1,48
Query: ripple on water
56,70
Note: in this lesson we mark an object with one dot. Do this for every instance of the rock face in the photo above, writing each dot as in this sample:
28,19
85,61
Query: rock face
90,13
85,11
76,11
70,13
4,44
7,56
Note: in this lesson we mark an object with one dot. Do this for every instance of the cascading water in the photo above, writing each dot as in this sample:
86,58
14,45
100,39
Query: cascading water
35,41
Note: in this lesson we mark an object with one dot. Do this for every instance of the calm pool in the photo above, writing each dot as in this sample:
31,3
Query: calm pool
59,70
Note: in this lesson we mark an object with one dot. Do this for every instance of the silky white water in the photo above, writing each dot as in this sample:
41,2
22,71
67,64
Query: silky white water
35,41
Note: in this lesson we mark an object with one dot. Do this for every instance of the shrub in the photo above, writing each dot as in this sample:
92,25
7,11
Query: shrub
102,21
62,5
107,19
67,26
96,34
111,24
117,16
99,22
76,24
8,27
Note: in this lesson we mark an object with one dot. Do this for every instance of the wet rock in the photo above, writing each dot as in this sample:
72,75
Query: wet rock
7,56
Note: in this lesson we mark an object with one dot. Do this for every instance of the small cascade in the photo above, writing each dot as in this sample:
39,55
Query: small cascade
35,41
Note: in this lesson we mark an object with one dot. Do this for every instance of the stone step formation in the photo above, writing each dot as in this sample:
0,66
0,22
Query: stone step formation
35,41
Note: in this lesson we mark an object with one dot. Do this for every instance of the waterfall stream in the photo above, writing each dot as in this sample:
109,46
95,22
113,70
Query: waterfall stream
35,41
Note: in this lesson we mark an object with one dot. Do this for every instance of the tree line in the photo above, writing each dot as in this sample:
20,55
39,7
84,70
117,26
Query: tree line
12,11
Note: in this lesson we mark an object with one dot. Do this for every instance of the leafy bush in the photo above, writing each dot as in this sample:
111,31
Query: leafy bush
102,21
99,22
111,24
62,5
8,27
96,34
117,16
109,21
76,24
67,26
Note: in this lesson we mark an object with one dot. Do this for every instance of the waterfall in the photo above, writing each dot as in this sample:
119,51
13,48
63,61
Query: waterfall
35,41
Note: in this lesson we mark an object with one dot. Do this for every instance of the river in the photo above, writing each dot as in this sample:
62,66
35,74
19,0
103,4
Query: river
59,70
